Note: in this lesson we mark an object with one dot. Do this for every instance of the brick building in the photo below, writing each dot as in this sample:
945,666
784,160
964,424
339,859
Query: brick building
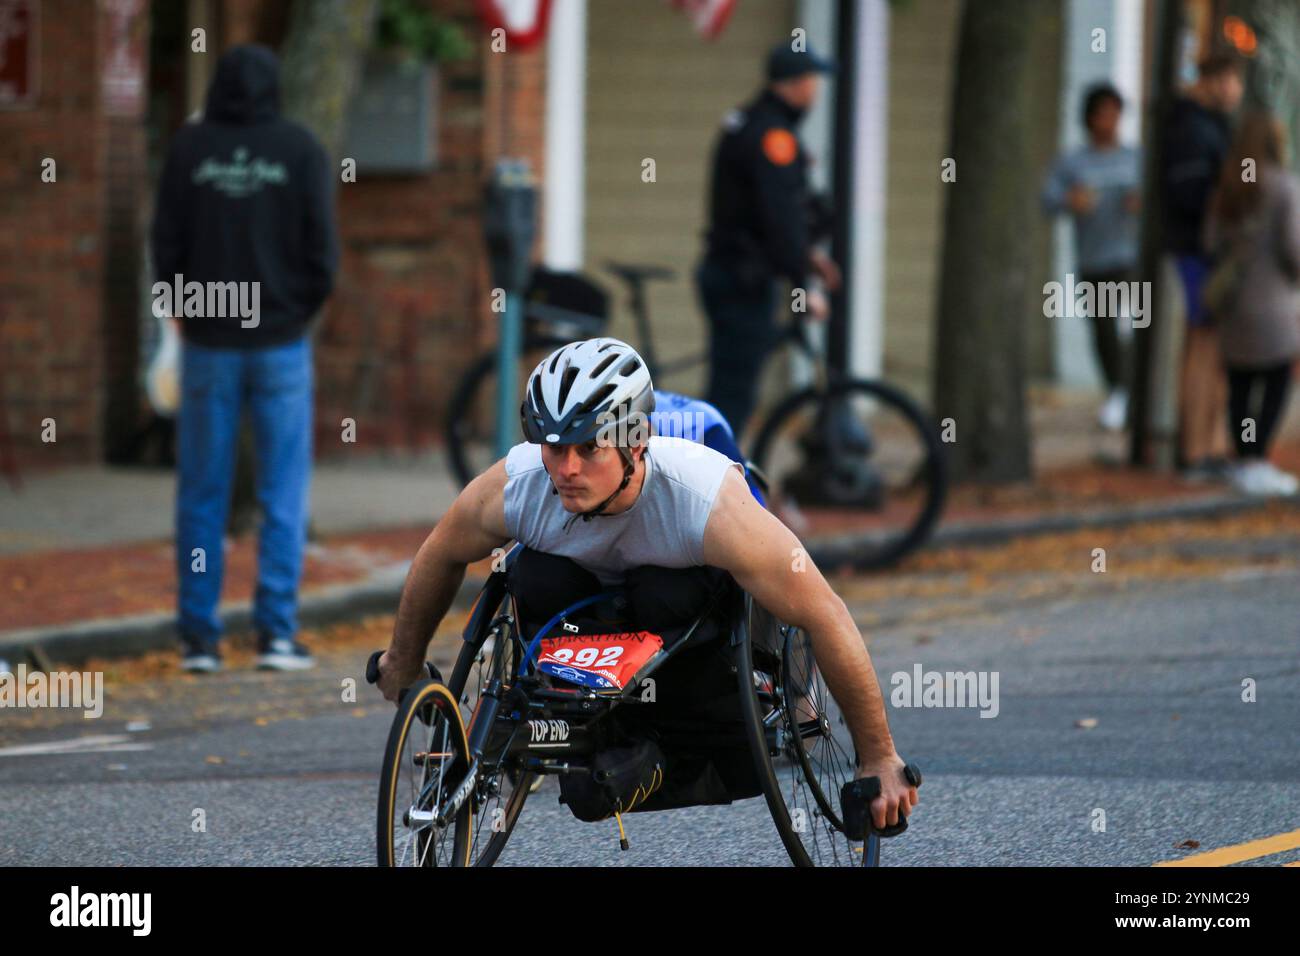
98,87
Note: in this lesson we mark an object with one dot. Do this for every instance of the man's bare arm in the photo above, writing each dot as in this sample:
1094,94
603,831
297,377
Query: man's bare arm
471,528
762,555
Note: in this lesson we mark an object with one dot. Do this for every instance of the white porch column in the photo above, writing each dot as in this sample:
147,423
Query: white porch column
867,207
566,99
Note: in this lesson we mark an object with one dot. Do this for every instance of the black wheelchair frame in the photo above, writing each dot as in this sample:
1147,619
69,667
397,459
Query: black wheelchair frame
518,727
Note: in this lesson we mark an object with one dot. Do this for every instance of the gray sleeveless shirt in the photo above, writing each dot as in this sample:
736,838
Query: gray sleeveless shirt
664,526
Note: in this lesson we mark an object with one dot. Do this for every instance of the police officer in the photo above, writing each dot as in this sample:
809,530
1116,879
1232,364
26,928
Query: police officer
759,230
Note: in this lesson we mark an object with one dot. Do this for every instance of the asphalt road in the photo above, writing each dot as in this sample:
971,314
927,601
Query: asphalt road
1118,693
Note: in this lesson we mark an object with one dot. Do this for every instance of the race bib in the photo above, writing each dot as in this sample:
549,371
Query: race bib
598,661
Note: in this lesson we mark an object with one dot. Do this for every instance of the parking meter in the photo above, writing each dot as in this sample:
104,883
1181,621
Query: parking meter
509,225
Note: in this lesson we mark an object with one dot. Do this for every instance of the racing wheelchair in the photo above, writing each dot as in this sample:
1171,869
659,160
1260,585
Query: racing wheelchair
720,703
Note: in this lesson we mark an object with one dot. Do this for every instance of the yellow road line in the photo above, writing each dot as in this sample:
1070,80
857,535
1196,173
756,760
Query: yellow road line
1240,852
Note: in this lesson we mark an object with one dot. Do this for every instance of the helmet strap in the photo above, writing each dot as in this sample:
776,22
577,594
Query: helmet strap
629,469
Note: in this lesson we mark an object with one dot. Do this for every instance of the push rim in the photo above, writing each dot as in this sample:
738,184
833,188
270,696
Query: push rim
502,787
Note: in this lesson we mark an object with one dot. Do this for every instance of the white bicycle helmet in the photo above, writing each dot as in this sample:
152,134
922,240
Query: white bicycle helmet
588,390
583,388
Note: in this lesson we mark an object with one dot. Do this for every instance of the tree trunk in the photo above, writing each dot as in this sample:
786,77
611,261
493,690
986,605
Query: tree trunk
321,63
985,277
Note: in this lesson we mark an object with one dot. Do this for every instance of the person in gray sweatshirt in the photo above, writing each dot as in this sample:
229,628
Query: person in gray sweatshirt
1098,185
1253,233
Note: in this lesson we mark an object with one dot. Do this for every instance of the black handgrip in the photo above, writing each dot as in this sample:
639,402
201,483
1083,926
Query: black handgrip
372,671
855,805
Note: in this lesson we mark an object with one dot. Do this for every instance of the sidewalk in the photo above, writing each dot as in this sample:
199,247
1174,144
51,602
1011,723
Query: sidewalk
87,565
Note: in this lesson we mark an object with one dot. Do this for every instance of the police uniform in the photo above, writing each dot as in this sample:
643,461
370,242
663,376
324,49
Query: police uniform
758,233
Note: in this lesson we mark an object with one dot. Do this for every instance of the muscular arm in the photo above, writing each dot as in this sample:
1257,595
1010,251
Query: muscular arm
762,555
471,528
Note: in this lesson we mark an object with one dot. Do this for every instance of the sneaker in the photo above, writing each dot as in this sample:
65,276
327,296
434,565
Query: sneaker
1284,482
199,656
1211,469
283,654
1114,412
1257,478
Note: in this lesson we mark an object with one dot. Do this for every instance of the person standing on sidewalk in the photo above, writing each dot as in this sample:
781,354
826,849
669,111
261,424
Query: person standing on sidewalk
1254,231
1199,136
759,217
245,204
1098,185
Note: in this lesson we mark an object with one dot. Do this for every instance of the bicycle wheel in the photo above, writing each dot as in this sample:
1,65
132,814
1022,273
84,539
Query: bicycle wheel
819,738
794,795
864,453
471,414
426,760
502,785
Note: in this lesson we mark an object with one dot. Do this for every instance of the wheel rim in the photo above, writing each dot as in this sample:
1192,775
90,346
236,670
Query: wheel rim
428,761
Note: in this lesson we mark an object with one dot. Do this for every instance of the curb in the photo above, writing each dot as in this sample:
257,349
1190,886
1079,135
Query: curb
846,550
73,643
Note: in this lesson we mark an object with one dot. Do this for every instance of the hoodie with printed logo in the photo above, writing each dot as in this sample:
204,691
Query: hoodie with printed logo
245,197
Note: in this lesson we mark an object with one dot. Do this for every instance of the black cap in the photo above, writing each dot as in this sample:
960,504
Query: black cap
785,62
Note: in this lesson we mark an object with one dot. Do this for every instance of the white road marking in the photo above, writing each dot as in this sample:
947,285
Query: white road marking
101,743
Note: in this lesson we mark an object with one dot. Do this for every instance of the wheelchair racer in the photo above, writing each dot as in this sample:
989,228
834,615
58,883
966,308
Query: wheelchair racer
643,501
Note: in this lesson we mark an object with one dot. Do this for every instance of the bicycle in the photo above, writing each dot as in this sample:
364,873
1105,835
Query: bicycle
859,446
471,747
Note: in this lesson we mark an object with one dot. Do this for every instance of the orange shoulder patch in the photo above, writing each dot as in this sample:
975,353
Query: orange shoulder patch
780,146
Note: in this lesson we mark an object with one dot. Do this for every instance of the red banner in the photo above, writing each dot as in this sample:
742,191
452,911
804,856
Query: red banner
523,20
709,16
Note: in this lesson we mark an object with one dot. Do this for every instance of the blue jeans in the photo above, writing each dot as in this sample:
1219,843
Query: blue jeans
277,385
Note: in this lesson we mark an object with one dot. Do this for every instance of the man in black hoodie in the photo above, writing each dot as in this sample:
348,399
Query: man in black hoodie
245,252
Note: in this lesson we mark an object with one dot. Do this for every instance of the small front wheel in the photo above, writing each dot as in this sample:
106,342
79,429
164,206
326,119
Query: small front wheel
425,762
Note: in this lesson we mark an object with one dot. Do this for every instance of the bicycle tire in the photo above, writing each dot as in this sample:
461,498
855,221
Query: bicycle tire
424,694
467,395
934,465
